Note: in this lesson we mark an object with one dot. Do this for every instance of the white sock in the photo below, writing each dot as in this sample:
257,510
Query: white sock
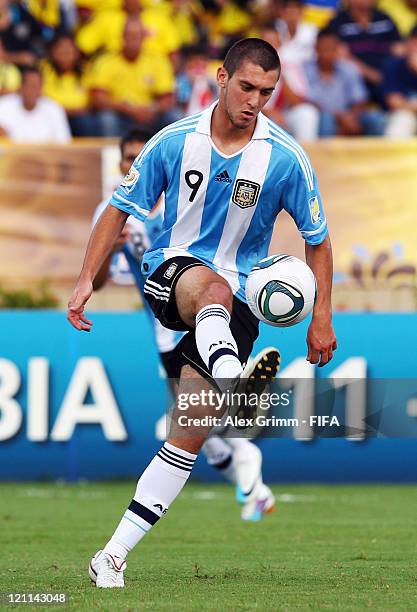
157,488
219,455
216,344
239,444
247,462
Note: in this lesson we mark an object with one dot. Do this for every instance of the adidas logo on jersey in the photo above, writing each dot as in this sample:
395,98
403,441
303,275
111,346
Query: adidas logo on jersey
223,177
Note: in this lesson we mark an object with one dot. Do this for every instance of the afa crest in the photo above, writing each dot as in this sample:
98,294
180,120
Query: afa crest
245,193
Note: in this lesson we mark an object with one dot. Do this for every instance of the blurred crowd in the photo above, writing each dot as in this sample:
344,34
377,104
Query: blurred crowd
100,67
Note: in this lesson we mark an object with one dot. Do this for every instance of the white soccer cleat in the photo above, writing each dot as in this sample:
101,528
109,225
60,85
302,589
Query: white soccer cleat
255,508
107,570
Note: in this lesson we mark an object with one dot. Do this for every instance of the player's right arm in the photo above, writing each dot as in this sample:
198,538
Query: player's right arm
136,195
103,274
104,235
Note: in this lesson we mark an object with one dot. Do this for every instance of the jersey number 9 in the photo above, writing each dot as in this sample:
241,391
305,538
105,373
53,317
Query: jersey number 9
193,178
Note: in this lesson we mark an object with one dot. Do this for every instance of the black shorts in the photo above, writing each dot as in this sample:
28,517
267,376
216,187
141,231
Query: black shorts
171,360
159,292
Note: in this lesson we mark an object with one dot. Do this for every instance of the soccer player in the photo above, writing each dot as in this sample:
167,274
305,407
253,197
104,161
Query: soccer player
237,459
226,174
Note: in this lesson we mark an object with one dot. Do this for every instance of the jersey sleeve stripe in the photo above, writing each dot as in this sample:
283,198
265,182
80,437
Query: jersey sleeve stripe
186,123
283,139
279,132
307,176
316,231
116,197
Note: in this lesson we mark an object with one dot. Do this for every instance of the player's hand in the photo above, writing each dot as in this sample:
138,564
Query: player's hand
76,304
321,340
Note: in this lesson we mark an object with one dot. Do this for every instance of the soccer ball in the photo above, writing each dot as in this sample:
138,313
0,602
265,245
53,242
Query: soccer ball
281,290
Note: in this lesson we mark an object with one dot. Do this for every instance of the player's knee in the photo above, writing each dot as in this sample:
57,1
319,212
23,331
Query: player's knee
216,292
190,444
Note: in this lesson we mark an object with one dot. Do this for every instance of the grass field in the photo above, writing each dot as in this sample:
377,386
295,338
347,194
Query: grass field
331,548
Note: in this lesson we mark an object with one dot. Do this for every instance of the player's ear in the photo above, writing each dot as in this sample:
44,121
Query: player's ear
222,76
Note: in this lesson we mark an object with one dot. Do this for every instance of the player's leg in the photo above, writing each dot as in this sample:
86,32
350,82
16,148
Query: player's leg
239,461
185,294
220,456
158,486
204,301
255,496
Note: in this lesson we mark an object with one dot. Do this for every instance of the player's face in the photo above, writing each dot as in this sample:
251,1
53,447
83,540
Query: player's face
130,152
246,92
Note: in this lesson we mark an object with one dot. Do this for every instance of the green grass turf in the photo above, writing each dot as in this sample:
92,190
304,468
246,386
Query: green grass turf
330,548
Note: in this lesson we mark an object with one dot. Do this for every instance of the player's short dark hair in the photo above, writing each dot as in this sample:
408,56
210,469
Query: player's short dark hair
413,32
253,50
299,3
138,134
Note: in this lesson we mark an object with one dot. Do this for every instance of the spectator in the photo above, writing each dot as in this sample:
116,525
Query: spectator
65,82
224,22
132,86
196,85
402,12
103,30
181,15
22,36
26,116
400,89
9,74
288,105
339,92
297,36
272,13
369,36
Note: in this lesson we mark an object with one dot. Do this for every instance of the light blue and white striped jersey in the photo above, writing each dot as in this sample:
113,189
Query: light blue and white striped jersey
221,208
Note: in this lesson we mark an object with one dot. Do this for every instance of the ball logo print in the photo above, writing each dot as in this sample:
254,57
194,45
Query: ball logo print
267,294
281,290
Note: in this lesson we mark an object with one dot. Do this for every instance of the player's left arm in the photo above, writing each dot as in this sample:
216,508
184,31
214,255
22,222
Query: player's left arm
321,339
302,200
